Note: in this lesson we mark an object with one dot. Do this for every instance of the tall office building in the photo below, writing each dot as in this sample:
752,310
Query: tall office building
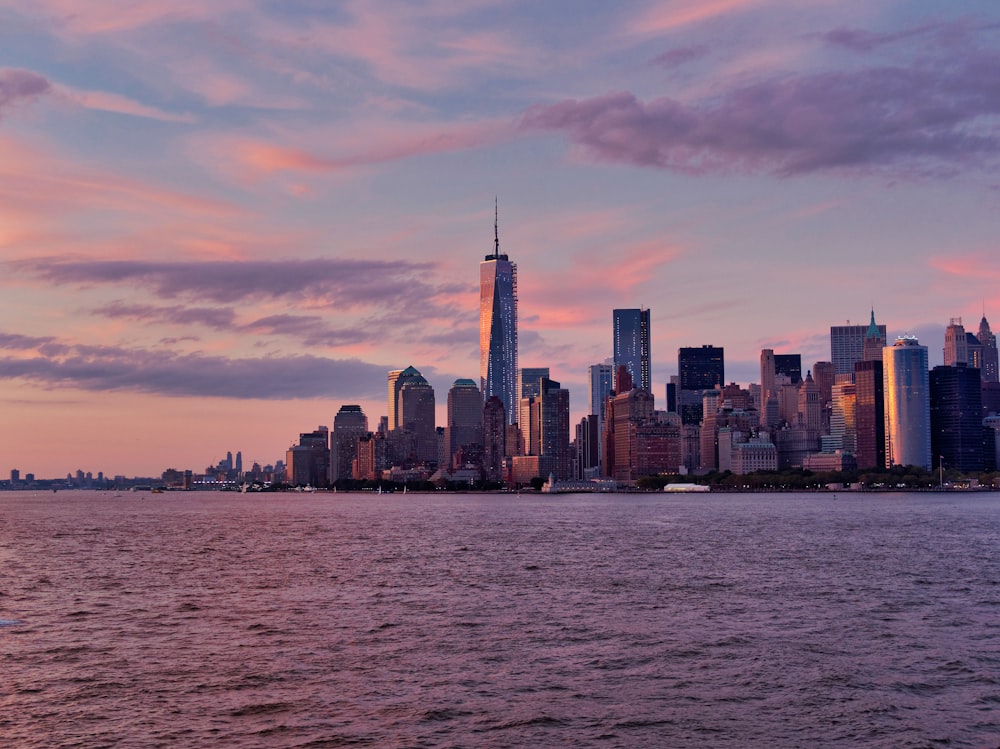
631,345
789,365
957,417
494,439
768,389
988,341
600,378
349,425
498,327
553,427
415,414
956,345
847,344
701,368
871,349
528,381
393,395
907,404
465,418
869,390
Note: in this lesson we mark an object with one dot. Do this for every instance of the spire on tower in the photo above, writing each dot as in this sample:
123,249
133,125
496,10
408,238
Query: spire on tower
496,227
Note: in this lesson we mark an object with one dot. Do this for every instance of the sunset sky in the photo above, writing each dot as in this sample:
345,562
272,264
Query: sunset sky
220,221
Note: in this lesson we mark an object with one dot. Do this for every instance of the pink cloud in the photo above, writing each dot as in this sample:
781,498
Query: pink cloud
326,152
669,16
977,266
110,102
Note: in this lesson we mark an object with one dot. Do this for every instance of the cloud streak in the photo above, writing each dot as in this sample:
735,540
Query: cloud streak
111,368
347,283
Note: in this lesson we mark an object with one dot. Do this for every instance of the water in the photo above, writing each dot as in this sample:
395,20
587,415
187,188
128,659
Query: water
196,620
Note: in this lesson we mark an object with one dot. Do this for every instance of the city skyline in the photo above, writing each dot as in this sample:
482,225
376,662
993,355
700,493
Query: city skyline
217,226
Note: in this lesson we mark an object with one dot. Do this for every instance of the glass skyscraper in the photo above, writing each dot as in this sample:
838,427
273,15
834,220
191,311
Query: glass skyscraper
498,328
631,345
907,404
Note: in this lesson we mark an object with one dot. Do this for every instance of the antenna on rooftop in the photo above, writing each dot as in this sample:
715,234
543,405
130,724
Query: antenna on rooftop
496,227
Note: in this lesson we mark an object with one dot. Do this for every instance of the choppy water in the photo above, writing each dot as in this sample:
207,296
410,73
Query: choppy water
189,620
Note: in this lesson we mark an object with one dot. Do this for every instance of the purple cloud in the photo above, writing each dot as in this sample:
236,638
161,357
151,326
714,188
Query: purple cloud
106,368
218,318
678,56
914,119
17,85
393,285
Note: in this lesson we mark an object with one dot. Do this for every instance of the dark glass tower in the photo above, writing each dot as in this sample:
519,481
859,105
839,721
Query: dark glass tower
631,345
957,417
498,328
701,368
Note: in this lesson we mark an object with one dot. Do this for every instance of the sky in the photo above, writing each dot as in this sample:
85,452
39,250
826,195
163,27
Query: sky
219,222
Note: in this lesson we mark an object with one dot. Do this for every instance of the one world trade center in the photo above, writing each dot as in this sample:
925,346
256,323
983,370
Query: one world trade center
498,327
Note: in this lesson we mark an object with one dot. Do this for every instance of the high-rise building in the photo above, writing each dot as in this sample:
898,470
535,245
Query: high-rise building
498,327
869,392
349,425
494,438
600,378
988,341
465,418
415,414
701,368
957,417
553,427
809,410
631,345
843,417
847,344
308,463
768,389
874,342
789,365
528,381
956,345
907,404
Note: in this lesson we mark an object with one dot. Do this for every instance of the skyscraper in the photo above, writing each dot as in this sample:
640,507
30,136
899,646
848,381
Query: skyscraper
498,327
465,418
988,341
528,381
847,344
701,368
349,424
600,377
631,345
907,404
956,347
494,438
871,349
789,365
869,388
957,417
415,412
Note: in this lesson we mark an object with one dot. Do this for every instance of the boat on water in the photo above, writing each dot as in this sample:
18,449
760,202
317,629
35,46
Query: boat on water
678,488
